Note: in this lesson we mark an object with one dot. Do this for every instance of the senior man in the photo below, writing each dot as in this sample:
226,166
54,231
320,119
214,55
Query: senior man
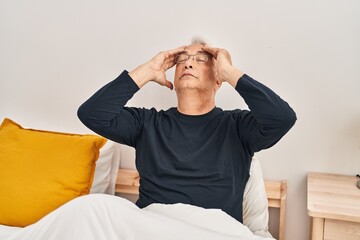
195,153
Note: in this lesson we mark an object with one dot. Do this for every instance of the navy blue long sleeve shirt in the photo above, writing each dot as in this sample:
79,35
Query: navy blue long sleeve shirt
201,160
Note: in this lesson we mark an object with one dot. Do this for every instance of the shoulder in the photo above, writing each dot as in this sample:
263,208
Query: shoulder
234,113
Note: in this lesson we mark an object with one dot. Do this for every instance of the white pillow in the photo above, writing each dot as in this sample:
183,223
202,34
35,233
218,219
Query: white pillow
107,167
255,202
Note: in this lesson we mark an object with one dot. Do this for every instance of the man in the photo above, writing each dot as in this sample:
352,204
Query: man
195,153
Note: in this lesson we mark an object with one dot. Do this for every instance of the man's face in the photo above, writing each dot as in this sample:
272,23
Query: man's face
194,73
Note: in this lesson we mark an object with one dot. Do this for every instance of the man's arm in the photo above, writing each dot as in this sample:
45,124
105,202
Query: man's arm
270,117
105,112
222,63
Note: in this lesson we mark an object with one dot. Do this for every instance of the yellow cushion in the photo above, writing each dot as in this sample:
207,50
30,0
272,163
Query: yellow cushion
41,170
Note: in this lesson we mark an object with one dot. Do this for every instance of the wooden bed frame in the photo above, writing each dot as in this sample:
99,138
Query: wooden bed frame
128,183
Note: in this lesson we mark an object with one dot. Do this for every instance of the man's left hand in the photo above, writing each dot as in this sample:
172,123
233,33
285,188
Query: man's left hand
225,71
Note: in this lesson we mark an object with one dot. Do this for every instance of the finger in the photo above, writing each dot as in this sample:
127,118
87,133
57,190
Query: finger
169,63
168,66
212,51
166,83
169,59
214,61
174,51
169,84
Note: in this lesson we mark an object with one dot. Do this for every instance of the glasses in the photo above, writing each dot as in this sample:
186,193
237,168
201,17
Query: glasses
199,58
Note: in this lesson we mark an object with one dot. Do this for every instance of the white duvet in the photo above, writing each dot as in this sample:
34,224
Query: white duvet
101,216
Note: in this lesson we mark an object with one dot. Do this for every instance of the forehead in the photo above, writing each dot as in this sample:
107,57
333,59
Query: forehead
195,48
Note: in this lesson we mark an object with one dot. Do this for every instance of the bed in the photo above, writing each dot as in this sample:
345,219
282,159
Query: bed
127,183
88,209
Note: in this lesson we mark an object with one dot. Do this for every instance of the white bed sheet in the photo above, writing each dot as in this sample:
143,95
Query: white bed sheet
6,231
101,216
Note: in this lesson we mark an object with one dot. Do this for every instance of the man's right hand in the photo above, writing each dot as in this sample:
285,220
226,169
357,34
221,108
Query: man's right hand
154,70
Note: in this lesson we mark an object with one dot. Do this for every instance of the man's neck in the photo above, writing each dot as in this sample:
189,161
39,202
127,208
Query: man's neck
191,103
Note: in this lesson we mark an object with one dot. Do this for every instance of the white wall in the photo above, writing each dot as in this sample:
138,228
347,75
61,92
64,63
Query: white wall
55,54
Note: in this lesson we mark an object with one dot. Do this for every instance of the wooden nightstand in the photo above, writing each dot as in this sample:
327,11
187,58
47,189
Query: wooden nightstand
333,203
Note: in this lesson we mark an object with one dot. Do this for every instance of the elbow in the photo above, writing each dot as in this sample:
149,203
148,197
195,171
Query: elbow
91,119
289,119
292,117
83,115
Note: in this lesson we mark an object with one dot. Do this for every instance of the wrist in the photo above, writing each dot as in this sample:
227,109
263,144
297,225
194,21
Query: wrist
141,74
234,75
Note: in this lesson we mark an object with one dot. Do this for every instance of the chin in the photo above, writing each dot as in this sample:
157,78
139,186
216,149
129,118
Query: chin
186,87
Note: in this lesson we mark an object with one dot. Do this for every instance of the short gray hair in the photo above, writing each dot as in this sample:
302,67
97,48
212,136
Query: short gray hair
199,40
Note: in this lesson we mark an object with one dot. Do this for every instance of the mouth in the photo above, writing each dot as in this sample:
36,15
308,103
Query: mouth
187,74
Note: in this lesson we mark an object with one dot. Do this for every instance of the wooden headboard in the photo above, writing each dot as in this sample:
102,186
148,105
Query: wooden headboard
128,183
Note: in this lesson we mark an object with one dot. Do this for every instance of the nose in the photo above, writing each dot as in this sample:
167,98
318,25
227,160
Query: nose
188,63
